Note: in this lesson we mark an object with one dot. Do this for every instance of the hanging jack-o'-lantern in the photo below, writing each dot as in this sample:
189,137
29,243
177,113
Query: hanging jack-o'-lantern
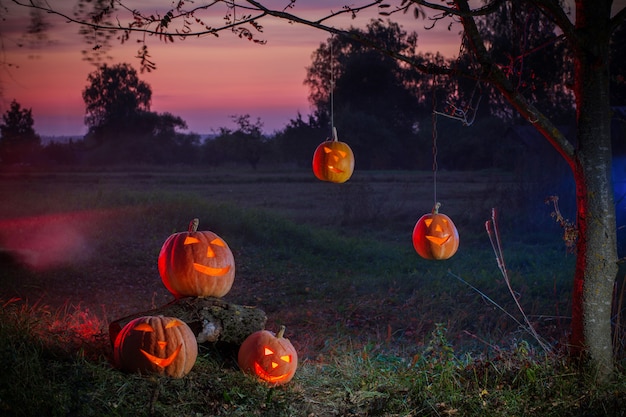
333,160
196,264
435,236
271,358
156,345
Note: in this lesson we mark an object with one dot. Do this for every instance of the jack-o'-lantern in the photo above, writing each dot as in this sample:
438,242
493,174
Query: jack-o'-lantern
156,345
271,358
435,236
333,161
196,264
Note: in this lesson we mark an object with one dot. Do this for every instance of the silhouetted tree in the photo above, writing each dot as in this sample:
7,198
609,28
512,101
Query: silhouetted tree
113,97
19,143
298,140
245,144
61,153
375,98
121,127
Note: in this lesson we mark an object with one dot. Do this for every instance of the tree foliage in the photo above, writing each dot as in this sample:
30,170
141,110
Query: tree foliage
246,144
121,127
372,97
114,95
523,42
19,142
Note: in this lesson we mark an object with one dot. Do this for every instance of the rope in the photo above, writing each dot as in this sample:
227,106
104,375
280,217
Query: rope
332,90
434,120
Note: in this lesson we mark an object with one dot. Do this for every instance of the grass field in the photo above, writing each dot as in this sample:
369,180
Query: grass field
379,330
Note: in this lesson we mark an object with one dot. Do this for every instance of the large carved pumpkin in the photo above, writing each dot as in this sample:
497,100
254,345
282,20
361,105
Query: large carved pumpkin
333,161
435,236
196,264
271,358
156,345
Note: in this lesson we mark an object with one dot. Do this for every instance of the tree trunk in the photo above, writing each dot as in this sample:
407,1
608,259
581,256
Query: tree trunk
210,319
590,160
596,262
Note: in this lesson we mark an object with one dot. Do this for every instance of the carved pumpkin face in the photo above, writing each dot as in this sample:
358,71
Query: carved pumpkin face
156,345
271,358
333,161
435,236
196,264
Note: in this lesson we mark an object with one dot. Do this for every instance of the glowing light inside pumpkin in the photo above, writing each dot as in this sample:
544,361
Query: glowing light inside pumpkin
210,253
162,362
263,374
336,157
438,240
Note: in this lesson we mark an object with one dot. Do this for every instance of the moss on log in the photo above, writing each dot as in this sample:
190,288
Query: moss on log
211,319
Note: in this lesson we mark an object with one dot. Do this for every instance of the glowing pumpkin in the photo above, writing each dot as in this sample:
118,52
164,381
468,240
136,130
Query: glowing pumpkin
333,161
435,236
271,358
196,264
156,345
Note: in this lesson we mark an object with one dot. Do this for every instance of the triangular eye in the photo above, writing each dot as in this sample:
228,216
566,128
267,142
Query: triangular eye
191,240
286,358
218,242
143,327
342,153
173,323
327,149
268,351
427,222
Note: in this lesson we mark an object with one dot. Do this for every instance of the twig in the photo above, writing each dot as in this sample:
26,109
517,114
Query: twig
570,231
486,297
494,238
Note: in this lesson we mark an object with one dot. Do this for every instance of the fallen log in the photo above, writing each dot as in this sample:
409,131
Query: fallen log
210,319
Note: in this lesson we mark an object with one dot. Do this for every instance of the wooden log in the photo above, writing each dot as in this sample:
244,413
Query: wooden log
210,319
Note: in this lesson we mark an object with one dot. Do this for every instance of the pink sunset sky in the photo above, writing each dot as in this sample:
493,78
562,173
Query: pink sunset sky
204,80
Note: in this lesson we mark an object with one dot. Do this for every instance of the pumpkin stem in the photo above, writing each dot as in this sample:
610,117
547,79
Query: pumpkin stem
193,225
436,208
335,134
281,332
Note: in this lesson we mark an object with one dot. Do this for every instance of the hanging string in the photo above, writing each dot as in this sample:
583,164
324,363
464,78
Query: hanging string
465,112
332,90
434,121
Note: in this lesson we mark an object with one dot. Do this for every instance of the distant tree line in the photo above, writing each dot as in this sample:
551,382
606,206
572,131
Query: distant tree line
382,108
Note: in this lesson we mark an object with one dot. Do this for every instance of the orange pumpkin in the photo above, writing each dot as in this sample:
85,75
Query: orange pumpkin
156,345
196,264
333,161
271,358
435,236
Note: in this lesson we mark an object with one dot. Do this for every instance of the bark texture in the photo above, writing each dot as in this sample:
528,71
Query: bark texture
596,263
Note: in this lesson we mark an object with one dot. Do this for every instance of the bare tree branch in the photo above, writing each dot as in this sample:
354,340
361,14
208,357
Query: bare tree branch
618,19
494,74
553,11
155,26
453,11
